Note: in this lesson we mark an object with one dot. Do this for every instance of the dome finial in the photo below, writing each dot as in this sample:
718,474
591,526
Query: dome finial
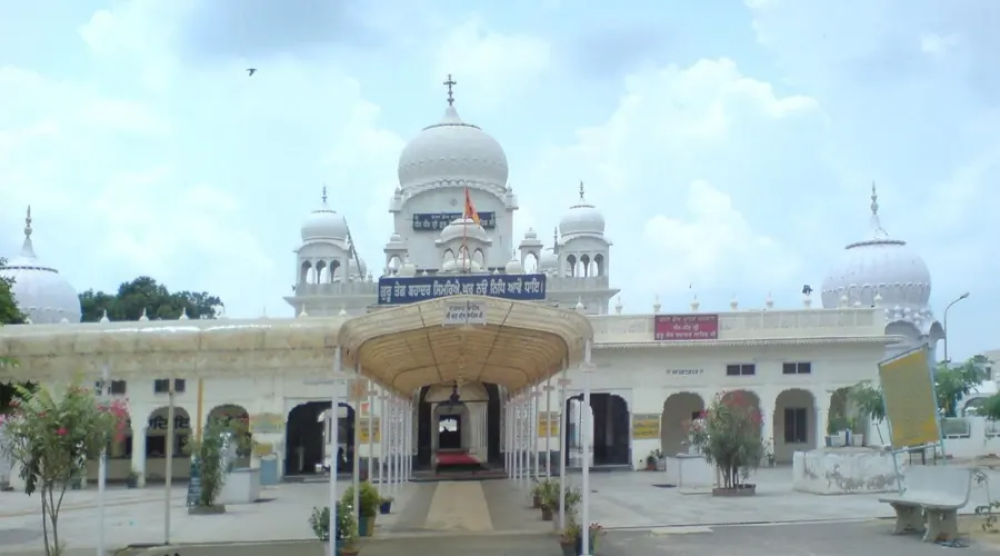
450,83
27,225
27,250
581,190
877,231
874,200
324,195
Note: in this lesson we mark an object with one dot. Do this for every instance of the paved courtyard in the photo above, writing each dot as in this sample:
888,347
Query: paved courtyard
639,516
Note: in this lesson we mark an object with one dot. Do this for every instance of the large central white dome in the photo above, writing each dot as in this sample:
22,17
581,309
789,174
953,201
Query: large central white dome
454,152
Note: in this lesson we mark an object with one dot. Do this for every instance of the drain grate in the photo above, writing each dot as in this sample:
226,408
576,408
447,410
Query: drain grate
665,486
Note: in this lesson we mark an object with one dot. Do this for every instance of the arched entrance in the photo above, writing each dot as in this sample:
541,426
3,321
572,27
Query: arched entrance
479,402
678,410
237,420
794,426
612,443
306,446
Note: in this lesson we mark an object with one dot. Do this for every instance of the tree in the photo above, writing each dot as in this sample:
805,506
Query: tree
9,313
728,435
51,438
145,294
954,382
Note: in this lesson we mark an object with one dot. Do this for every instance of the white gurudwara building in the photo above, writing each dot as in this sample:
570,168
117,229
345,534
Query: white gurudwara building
650,372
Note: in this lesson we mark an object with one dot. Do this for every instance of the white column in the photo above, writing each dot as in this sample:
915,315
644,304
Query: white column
371,432
586,418
390,434
520,437
563,383
356,458
334,460
548,429
525,426
535,405
382,483
409,440
506,435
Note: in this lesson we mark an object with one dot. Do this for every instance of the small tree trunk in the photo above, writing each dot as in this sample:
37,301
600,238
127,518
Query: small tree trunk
45,524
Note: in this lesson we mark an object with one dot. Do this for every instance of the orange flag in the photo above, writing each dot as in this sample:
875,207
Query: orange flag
470,209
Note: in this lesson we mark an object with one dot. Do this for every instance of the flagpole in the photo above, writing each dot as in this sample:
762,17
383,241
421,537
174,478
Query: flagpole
464,250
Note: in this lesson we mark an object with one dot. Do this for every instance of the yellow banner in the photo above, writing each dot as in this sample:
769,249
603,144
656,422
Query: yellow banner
363,430
646,426
543,426
267,423
910,407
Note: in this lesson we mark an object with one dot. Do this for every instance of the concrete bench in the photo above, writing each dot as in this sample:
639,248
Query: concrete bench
935,491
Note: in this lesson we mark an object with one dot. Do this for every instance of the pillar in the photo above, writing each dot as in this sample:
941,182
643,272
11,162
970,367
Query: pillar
139,451
822,415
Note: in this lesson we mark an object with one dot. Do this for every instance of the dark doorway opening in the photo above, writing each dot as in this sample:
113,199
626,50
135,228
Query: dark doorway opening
306,444
449,432
427,426
612,445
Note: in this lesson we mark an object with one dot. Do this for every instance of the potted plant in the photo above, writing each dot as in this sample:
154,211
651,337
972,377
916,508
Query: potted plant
385,505
728,434
550,500
651,461
536,494
207,466
568,537
369,501
133,479
769,453
836,431
347,528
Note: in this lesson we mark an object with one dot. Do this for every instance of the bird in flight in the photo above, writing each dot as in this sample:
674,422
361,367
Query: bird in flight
251,71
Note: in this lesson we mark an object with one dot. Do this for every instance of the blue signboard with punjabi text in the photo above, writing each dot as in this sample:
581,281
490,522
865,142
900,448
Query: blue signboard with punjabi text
437,221
520,287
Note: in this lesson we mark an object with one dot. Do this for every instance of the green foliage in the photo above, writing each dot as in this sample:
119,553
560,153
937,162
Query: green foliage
869,401
729,435
207,454
368,499
144,293
51,437
9,313
954,382
347,523
550,496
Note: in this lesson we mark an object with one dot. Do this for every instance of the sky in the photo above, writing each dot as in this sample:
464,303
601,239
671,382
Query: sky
731,145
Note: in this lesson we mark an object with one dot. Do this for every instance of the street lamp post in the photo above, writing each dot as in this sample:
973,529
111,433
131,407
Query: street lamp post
946,309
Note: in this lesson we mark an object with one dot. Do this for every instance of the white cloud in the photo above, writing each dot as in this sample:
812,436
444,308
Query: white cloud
491,67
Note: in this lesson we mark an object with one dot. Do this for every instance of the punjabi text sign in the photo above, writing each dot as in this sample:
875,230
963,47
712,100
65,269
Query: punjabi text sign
465,312
910,405
267,423
524,287
544,430
363,430
645,426
686,327
437,221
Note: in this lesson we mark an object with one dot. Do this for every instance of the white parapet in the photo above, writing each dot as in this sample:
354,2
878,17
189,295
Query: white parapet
845,471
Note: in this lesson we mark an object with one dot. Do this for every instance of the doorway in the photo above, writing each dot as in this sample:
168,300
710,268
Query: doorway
306,449
449,432
610,428
428,424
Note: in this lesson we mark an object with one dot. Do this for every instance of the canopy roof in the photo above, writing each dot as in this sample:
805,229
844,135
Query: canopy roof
400,348
407,347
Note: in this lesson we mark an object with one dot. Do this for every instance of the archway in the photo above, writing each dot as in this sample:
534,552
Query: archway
612,443
237,420
454,427
678,410
156,444
307,434
482,403
794,428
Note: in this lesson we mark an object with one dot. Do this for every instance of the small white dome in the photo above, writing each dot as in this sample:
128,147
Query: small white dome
408,270
549,261
353,270
40,292
324,223
582,218
531,234
879,266
463,227
514,266
452,150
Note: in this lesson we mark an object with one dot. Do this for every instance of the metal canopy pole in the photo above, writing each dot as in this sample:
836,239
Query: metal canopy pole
102,471
563,383
383,487
169,465
333,421
587,433
548,428
534,426
371,432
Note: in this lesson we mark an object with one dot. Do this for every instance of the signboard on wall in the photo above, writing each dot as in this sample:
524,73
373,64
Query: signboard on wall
645,426
267,423
544,431
363,430
685,327
437,221
520,287
910,405
468,312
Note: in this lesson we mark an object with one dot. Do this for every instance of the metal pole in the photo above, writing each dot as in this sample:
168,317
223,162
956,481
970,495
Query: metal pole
371,431
356,445
563,382
506,434
169,467
102,471
534,426
334,423
586,417
409,440
382,486
946,309
548,428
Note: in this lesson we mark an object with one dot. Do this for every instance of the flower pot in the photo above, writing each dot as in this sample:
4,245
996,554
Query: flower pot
546,513
385,508
366,525
738,490
857,440
568,548
593,545
349,551
661,464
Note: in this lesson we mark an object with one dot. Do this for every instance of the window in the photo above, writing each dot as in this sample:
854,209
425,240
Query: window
741,369
797,368
117,388
162,386
796,425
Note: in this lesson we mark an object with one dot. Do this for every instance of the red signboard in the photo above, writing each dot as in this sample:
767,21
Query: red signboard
686,327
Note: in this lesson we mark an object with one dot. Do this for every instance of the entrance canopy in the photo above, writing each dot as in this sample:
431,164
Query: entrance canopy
514,344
